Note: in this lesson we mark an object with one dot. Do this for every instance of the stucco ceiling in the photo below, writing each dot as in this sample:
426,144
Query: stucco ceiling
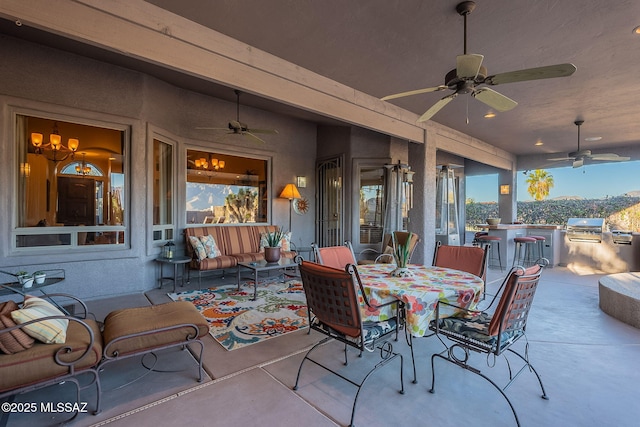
382,47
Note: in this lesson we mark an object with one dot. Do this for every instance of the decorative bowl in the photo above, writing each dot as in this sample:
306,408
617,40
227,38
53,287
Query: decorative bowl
493,221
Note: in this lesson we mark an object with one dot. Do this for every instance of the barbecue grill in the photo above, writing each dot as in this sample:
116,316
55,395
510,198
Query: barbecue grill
621,237
585,229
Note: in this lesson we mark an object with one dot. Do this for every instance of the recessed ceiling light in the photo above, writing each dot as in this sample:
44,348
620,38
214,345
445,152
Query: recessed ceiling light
593,138
636,30
539,142
490,115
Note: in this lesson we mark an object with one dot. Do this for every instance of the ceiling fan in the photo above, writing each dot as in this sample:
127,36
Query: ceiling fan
580,156
239,128
469,75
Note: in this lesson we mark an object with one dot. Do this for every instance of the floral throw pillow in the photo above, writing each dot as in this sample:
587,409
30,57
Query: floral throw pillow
198,247
210,246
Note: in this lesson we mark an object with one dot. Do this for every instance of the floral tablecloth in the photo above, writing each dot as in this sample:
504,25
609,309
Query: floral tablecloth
420,293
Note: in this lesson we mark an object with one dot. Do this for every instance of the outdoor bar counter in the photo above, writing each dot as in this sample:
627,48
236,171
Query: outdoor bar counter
507,232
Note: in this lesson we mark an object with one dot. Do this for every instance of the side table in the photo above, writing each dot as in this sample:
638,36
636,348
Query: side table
175,261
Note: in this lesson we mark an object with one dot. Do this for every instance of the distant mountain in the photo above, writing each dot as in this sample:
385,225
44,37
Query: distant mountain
635,193
567,198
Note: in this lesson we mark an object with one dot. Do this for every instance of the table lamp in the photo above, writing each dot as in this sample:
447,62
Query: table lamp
290,192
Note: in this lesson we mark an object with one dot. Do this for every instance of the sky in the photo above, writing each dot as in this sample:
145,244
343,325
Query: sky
593,181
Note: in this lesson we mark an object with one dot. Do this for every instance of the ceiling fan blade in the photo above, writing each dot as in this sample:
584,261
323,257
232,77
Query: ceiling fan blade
268,131
249,134
547,72
558,159
414,92
578,163
611,157
468,66
205,128
437,107
494,99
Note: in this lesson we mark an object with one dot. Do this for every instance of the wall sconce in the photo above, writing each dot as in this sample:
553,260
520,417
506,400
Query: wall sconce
301,181
55,145
505,189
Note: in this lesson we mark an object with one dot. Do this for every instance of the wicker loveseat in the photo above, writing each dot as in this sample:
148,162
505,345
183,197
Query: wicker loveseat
236,243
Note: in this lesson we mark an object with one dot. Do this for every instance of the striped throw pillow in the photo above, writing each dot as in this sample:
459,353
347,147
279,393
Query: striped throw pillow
47,331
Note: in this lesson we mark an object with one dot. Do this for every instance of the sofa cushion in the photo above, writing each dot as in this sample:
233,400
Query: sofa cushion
210,246
224,261
16,340
37,364
119,324
47,331
198,247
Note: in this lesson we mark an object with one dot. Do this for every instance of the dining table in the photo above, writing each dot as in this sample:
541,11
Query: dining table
420,293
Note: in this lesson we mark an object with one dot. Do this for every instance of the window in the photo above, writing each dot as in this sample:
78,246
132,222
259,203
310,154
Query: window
222,188
71,184
162,191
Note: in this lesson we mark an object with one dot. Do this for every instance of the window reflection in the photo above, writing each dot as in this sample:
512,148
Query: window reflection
223,188
162,190
371,204
71,185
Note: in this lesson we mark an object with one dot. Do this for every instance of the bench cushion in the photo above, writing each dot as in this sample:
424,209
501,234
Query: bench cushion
36,364
120,324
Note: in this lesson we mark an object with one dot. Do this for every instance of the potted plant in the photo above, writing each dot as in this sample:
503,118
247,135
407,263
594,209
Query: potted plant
272,249
39,277
25,279
401,254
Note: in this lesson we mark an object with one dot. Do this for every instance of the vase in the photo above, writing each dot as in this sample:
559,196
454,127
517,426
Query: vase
402,272
39,278
272,254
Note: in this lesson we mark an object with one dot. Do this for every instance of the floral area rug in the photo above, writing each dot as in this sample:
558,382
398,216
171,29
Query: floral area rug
236,321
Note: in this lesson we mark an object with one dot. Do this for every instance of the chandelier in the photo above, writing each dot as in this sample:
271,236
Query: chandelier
214,164
54,150
83,169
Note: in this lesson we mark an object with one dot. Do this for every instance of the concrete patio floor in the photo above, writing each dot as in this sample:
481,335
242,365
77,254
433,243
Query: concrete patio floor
587,361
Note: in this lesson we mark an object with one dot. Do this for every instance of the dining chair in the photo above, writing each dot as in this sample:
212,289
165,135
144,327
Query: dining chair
471,259
335,256
335,312
492,333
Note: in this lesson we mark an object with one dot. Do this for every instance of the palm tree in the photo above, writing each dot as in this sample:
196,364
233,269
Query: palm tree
540,183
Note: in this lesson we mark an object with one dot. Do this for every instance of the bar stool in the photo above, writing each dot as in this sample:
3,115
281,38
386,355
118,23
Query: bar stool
540,240
522,253
476,237
494,247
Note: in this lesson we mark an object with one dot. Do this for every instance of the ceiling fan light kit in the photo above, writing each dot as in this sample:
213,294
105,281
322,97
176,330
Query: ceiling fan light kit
469,74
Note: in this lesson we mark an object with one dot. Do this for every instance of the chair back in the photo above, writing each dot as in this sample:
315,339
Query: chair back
471,259
331,296
515,302
335,256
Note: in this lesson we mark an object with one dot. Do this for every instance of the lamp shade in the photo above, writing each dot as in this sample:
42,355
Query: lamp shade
290,192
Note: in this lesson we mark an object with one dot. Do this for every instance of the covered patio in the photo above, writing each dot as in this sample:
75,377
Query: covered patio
582,354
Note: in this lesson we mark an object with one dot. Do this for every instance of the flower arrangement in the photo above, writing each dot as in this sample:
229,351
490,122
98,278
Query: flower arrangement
401,253
274,238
